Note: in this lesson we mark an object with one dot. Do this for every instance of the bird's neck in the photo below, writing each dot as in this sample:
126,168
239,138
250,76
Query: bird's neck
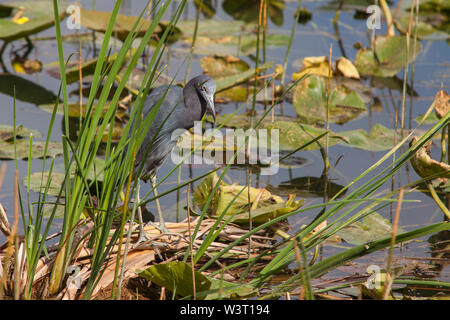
194,102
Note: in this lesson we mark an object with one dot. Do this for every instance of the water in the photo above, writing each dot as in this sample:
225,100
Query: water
432,70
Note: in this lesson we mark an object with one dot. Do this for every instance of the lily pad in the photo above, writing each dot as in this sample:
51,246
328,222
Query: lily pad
371,228
7,132
176,276
307,187
310,101
35,17
388,58
23,146
25,90
56,181
214,28
346,68
293,135
98,21
232,45
433,21
75,110
264,205
248,11
221,66
243,121
87,67
319,66
379,138
57,178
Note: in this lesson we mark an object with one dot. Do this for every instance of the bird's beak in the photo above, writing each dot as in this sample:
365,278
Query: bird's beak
210,103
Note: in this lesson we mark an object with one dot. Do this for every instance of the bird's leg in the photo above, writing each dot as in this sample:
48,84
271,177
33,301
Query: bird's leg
162,224
142,234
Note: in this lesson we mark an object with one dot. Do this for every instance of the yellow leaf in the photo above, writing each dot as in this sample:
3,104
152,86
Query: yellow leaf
346,68
21,20
314,65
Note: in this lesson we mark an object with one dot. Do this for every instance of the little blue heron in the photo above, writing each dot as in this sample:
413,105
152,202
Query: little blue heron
179,110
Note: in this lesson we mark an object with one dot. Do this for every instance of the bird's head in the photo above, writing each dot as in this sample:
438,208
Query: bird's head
206,87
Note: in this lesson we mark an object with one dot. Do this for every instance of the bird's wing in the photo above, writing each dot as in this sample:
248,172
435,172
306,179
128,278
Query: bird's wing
160,131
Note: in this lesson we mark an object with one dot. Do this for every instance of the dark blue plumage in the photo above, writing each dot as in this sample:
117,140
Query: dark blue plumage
180,108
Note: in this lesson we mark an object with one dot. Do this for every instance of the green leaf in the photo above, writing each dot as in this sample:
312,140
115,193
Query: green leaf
248,11
310,101
25,90
176,276
292,135
37,17
388,58
380,138
23,146
371,228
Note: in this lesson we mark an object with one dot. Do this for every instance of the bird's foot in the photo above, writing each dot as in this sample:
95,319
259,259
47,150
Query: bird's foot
145,242
161,227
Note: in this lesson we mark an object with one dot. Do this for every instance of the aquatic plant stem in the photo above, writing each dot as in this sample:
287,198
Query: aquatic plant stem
389,275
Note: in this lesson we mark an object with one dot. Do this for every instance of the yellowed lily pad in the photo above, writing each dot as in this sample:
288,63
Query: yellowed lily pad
346,68
264,205
319,66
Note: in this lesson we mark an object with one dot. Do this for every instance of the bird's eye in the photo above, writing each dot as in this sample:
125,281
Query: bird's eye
203,88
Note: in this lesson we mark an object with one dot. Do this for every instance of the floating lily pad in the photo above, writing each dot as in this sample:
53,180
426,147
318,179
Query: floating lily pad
36,16
319,66
248,11
226,82
98,21
56,181
243,121
7,132
87,67
57,178
310,101
432,118
264,205
346,68
25,90
371,228
221,66
433,20
75,110
307,187
379,138
23,146
293,135
214,28
388,58
233,45
176,276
